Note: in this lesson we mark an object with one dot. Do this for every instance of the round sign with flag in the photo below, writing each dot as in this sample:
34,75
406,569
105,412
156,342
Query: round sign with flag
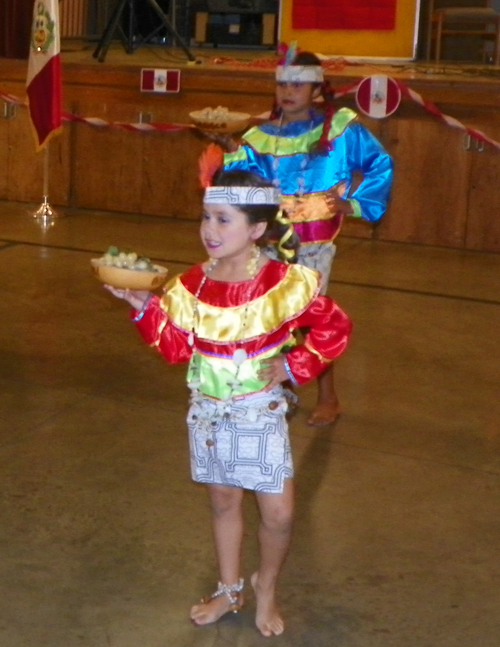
378,96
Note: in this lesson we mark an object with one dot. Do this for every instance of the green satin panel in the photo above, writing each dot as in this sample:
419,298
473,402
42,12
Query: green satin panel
283,302
341,119
238,156
216,373
356,208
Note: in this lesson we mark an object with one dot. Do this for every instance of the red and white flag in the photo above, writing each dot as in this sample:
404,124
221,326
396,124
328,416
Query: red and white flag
44,71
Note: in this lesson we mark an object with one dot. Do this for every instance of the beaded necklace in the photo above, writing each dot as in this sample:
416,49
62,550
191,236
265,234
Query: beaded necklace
305,161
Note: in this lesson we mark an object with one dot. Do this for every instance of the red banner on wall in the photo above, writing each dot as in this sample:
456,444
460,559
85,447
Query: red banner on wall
344,14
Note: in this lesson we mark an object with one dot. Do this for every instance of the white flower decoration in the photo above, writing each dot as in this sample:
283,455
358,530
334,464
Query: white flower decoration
239,356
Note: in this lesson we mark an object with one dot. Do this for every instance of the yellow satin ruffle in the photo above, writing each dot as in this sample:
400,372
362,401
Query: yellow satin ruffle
283,302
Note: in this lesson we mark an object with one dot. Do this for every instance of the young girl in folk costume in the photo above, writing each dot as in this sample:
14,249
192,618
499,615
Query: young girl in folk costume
232,318
311,154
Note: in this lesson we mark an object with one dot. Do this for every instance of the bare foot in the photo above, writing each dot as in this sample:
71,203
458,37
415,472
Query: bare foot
268,619
213,607
325,413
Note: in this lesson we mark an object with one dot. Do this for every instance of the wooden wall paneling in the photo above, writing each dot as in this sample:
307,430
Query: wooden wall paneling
483,222
429,197
25,165
60,168
170,185
4,154
357,228
108,164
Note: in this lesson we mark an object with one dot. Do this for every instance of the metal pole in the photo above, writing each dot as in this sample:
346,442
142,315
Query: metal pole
45,213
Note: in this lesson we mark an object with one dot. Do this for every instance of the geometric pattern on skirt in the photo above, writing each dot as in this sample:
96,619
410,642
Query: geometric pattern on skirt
247,446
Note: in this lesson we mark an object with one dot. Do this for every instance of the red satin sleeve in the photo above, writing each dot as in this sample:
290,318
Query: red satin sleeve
157,330
329,331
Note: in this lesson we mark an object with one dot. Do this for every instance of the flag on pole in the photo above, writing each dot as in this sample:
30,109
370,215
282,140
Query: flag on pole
44,71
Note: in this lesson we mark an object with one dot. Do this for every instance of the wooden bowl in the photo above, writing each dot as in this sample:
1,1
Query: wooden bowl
234,122
124,279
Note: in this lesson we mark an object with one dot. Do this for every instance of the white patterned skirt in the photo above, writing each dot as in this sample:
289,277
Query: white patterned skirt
245,446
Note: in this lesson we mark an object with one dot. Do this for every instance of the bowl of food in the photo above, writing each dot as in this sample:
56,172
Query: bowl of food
127,271
220,120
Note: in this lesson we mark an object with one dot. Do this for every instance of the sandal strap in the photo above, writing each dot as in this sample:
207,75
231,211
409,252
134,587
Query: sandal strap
231,590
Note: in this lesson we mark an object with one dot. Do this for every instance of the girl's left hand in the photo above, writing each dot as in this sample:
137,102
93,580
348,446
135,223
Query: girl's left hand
335,201
273,369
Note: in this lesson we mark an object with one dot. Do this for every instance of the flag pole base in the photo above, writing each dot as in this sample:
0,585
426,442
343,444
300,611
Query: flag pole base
45,215
45,211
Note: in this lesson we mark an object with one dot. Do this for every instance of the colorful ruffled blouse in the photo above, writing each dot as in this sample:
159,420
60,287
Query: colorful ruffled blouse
282,154
258,315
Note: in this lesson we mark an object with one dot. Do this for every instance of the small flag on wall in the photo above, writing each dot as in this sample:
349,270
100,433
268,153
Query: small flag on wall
43,83
160,80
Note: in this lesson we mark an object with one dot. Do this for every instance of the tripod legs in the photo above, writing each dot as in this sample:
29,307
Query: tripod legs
103,45
114,24
175,35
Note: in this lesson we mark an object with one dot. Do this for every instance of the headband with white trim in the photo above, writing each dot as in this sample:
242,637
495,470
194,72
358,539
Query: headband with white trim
299,74
239,195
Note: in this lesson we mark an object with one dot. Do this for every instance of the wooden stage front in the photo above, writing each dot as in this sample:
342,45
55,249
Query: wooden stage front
446,187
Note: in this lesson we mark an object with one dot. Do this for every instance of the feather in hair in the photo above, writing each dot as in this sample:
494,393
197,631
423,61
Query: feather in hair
210,161
291,53
287,53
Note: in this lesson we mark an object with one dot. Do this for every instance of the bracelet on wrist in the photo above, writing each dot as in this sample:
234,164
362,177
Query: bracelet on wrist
288,370
142,311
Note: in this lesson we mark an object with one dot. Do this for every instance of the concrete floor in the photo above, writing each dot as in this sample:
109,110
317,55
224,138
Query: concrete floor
105,541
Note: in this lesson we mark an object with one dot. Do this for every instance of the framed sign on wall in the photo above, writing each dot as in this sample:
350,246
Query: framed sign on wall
352,28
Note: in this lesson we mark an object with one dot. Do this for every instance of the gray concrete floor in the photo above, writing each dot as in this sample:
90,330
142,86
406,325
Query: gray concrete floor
105,541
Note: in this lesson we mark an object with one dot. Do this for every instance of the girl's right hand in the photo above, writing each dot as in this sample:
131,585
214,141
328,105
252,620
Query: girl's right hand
136,298
335,201
273,371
